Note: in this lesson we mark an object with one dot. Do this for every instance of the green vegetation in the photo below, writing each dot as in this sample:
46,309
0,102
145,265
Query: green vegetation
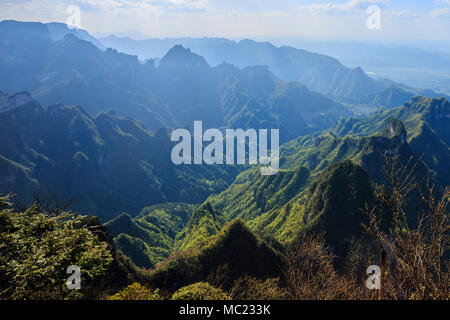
326,179
292,200
324,182
200,291
235,246
150,237
204,223
428,133
136,291
420,109
335,200
37,247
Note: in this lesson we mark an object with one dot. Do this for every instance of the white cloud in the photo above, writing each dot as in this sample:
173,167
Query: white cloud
440,12
350,6
400,14
192,4
168,4
198,18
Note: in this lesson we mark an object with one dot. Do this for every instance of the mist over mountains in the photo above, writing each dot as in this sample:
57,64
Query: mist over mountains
341,80
74,71
318,72
419,65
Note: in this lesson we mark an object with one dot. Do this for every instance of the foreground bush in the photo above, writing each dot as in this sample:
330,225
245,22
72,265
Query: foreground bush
136,291
38,244
200,291
248,288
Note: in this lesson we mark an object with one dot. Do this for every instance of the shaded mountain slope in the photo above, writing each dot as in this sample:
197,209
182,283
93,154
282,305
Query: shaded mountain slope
335,200
235,246
108,164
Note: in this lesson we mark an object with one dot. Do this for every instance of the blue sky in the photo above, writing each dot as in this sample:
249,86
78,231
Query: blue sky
260,19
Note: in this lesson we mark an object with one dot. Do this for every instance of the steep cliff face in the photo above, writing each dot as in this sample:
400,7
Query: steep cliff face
9,102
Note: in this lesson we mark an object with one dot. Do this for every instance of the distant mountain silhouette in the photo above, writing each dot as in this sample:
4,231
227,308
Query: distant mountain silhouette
181,89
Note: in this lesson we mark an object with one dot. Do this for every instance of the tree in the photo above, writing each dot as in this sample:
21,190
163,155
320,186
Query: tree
250,288
309,273
200,291
136,291
416,264
36,248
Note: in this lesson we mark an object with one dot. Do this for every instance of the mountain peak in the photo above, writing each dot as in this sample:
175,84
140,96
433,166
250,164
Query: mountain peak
178,52
178,49
358,70
60,30
179,56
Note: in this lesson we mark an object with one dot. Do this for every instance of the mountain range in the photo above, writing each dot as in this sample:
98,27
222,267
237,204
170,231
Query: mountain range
316,68
418,64
87,122
107,163
324,182
73,71
318,72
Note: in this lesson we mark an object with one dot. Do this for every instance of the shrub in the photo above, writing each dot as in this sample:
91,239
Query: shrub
37,246
200,291
310,273
249,288
414,263
136,291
